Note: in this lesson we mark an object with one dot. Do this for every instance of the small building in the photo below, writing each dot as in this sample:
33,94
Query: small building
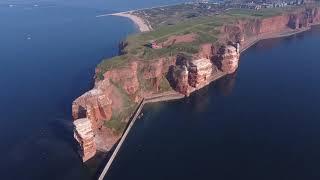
154,45
267,5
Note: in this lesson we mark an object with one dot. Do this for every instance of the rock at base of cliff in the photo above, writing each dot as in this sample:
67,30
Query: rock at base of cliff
83,133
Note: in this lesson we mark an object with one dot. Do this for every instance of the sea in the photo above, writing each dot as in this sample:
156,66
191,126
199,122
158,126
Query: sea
48,52
259,123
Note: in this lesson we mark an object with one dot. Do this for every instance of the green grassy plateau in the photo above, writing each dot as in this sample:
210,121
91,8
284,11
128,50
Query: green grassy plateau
205,28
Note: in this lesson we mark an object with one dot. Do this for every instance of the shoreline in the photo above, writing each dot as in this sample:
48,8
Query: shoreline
173,95
282,34
261,37
143,26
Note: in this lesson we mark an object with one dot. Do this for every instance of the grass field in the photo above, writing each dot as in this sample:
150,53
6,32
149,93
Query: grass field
119,117
207,30
263,13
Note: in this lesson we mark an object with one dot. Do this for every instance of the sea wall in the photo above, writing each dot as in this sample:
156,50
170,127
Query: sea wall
101,114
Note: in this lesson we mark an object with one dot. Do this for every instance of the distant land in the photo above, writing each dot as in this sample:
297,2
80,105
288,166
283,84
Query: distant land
180,49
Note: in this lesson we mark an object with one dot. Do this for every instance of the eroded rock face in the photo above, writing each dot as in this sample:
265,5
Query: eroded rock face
153,73
244,29
206,51
99,105
304,18
94,105
189,75
180,79
110,97
228,58
199,72
127,78
193,75
83,133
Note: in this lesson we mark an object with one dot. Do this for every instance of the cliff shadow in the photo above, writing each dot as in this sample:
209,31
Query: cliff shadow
81,112
170,77
181,60
226,85
63,130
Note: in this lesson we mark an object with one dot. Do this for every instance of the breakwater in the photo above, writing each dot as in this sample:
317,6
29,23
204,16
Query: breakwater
150,99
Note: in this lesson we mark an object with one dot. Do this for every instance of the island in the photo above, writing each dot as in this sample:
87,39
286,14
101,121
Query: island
180,49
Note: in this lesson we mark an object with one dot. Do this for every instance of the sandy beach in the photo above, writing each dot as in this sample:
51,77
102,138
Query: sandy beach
142,25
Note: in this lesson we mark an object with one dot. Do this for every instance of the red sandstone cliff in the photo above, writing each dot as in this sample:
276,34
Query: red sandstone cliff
102,113
112,101
242,30
190,74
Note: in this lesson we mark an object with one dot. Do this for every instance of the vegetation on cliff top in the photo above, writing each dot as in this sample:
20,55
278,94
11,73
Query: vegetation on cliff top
120,116
207,30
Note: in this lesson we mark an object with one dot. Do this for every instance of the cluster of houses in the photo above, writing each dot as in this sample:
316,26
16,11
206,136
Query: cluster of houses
245,4
253,4
269,4
265,4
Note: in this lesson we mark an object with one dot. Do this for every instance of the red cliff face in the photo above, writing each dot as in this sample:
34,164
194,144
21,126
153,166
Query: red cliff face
273,24
99,112
84,135
99,105
228,58
153,73
190,74
120,90
304,18
241,30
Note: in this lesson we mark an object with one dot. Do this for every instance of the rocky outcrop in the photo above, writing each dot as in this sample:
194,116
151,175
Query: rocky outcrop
180,78
227,58
303,18
94,105
153,73
102,113
105,102
241,30
107,107
84,135
192,74
199,72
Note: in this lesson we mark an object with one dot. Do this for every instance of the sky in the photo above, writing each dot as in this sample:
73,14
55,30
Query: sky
113,5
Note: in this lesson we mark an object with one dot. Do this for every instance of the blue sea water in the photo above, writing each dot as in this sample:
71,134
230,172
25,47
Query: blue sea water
261,123
48,52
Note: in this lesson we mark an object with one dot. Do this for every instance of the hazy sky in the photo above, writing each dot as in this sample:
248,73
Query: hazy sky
99,4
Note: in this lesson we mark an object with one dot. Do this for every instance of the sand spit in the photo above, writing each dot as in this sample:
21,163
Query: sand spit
141,23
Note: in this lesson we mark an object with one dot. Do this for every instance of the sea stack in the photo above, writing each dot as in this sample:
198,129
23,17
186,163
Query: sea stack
84,135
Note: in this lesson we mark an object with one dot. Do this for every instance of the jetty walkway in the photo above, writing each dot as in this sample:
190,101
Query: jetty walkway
172,95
